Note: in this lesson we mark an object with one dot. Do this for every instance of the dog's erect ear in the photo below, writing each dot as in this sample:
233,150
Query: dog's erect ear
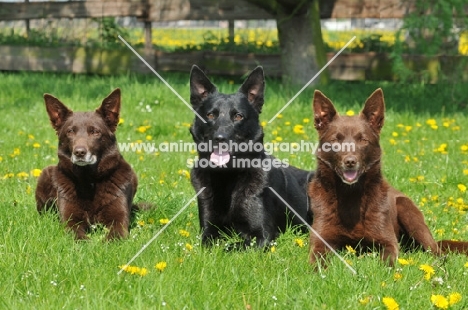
200,86
254,87
58,112
374,110
110,109
324,111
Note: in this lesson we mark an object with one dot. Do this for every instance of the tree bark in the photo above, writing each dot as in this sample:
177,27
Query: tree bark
300,38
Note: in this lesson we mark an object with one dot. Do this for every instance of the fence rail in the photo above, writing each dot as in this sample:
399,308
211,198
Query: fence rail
170,10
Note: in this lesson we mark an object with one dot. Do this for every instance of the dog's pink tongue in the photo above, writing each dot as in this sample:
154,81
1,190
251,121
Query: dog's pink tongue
350,175
220,158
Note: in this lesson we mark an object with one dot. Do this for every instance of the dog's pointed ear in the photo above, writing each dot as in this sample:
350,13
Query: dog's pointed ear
110,109
58,112
374,110
254,87
324,111
200,87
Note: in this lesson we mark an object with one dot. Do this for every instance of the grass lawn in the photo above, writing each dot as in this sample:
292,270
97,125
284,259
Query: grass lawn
43,267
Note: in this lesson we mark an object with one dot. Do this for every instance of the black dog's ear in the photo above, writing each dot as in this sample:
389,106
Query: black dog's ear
324,111
374,110
254,87
58,112
200,86
110,109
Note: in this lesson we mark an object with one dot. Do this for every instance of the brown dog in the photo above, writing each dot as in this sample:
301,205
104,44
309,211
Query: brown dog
92,183
351,202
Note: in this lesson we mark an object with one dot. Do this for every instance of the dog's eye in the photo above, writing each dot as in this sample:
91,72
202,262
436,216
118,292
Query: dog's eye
94,131
210,116
238,117
69,130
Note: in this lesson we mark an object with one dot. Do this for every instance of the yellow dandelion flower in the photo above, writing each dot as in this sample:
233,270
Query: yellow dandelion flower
273,249
299,242
134,270
390,303
364,301
408,128
395,134
465,171
16,152
149,137
442,148
350,112
141,223
36,172
306,120
428,271
184,233
431,122
121,121
299,129
143,128
440,301
434,127
462,188
184,173
454,298
188,247
279,116
8,175
287,123
464,148
465,265
263,123
279,139
393,142
397,276
350,249
30,137
163,221
160,266
404,262
36,145
22,175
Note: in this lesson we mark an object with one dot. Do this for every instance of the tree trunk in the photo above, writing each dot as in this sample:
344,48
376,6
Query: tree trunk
301,45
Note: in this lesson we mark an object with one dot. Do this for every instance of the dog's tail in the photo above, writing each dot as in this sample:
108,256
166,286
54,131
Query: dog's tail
453,246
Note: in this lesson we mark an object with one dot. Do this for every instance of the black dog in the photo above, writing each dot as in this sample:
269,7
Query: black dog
234,169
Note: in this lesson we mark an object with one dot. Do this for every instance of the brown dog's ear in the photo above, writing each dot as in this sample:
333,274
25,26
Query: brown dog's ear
58,112
200,87
110,109
253,88
374,110
324,111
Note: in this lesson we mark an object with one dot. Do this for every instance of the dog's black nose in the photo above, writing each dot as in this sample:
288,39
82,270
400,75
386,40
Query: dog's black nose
350,161
79,151
220,138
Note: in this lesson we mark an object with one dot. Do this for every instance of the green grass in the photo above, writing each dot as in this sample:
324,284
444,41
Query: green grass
43,267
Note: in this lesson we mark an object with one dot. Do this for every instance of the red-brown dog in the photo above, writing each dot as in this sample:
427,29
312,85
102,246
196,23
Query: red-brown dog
92,183
351,202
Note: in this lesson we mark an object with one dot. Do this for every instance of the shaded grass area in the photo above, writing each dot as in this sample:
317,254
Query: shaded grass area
42,267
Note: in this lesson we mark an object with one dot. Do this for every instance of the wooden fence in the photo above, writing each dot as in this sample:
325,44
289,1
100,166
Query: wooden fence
88,60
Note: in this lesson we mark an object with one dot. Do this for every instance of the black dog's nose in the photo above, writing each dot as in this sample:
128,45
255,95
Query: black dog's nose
220,138
79,151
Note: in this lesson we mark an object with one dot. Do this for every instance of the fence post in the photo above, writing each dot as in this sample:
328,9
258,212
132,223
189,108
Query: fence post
231,30
26,21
